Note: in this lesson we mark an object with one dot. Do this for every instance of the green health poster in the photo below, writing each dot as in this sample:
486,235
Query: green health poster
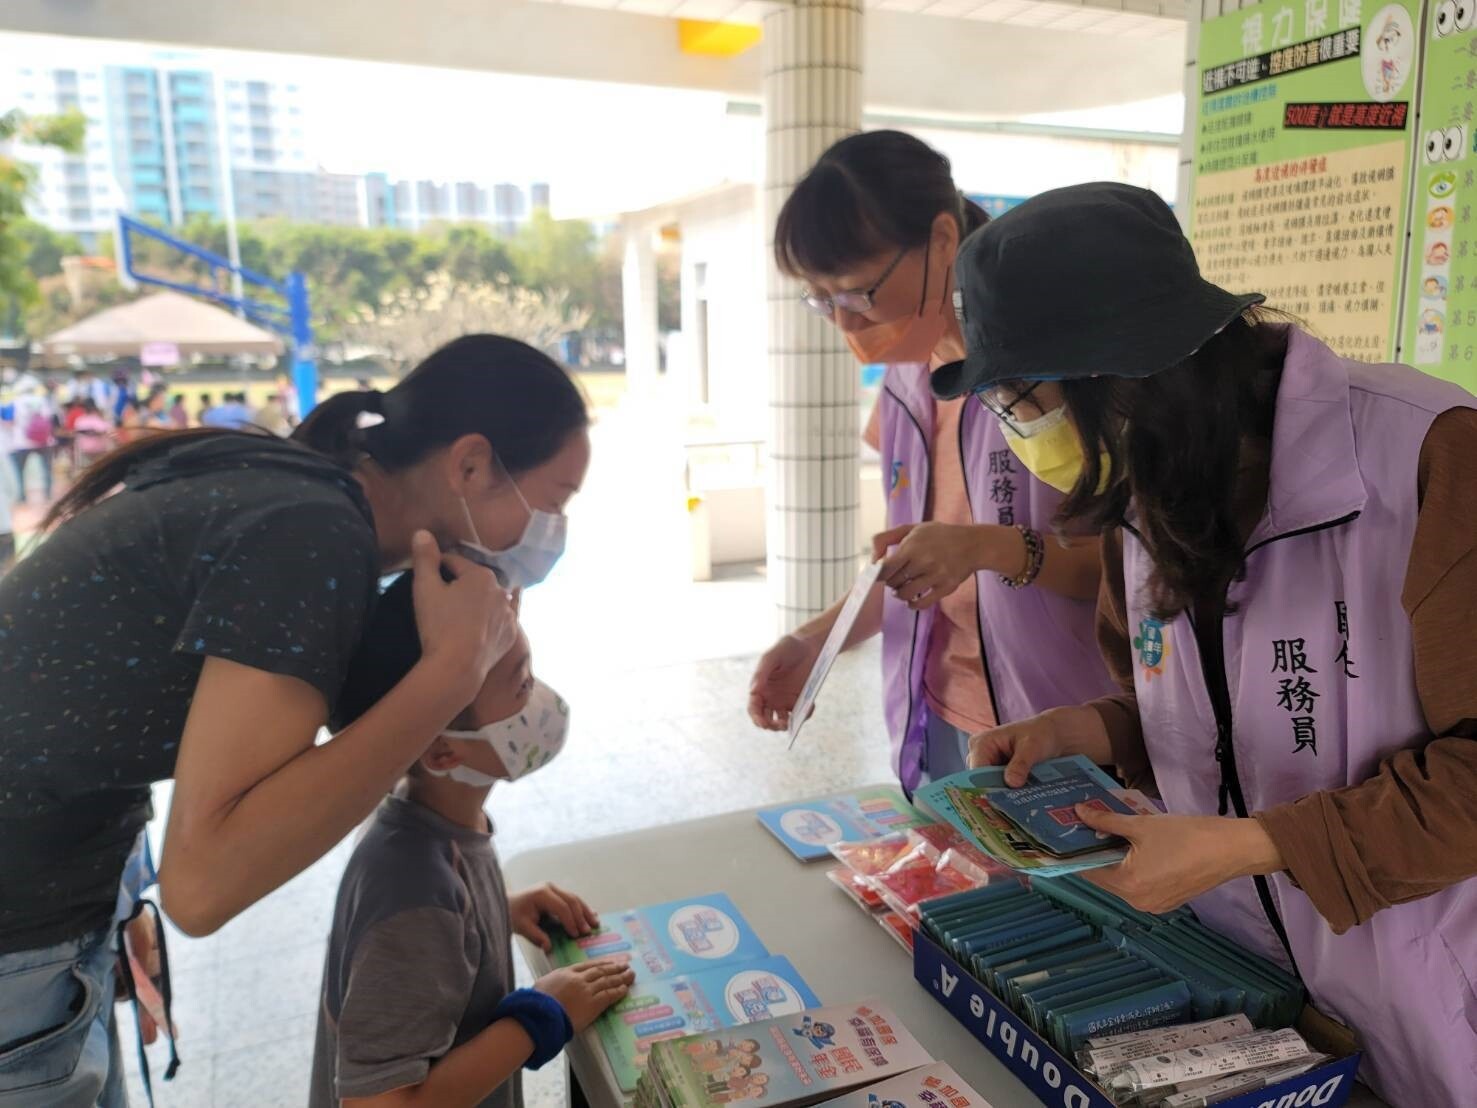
1439,333
1303,146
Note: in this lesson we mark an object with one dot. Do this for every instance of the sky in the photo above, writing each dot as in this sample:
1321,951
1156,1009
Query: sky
592,142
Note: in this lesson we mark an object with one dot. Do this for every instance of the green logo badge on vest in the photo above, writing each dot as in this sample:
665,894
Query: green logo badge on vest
1152,646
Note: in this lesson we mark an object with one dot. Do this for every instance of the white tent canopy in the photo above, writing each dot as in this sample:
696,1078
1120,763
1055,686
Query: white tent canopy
192,326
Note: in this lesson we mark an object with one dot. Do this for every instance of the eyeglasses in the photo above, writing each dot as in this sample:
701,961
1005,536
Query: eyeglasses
1011,403
855,302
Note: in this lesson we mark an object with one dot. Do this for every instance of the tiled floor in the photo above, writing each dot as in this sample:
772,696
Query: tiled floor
656,670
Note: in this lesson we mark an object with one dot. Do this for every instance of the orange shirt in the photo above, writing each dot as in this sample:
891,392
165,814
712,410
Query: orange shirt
954,683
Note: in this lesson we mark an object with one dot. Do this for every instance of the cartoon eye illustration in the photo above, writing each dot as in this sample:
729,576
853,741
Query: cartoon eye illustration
1465,9
1443,185
1455,143
1435,145
1445,18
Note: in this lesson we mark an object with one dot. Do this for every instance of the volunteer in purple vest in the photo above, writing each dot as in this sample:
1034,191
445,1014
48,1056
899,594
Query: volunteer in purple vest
1290,583
986,616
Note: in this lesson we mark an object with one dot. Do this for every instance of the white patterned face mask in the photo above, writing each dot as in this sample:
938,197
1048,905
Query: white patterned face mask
524,742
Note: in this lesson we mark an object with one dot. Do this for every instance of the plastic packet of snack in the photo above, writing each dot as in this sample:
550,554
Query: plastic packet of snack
873,856
858,887
899,927
905,887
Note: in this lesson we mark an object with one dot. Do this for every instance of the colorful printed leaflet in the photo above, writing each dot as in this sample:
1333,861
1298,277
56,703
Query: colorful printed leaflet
1047,813
685,936
700,1002
964,800
809,828
931,1086
789,1062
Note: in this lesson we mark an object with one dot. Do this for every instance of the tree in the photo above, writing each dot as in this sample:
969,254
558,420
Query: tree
46,248
354,272
550,253
62,302
471,252
412,322
17,179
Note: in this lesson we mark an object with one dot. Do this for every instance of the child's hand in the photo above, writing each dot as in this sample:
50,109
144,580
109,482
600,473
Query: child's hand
527,910
588,989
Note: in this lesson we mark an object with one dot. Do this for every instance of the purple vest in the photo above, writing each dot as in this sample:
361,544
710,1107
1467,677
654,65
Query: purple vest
1320,679
1040,649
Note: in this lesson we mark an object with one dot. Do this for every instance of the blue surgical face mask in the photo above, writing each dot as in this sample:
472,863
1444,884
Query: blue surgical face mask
531,558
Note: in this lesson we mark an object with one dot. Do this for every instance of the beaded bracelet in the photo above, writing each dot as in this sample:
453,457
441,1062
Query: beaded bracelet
1035,556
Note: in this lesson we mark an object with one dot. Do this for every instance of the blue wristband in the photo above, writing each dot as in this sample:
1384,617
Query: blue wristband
543,1017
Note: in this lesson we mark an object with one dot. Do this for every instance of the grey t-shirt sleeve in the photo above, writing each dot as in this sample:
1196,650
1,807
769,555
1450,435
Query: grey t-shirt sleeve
408,986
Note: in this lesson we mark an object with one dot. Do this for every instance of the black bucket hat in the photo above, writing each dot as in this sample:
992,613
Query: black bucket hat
1090,280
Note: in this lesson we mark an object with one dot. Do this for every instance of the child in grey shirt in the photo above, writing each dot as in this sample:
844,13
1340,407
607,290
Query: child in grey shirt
418,1005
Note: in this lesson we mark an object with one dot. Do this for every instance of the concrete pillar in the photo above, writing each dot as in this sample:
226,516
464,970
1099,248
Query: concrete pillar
812,84
1196,12
639,307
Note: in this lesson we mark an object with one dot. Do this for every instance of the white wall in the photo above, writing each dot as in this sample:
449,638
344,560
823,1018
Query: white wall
721,233
1023,165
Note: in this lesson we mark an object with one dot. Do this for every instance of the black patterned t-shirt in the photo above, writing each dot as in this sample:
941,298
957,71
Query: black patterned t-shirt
235,547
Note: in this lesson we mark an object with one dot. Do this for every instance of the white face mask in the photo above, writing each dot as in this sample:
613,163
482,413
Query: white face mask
531,558
525,742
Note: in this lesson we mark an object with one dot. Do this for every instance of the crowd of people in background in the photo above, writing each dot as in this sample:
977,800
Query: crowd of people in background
55,425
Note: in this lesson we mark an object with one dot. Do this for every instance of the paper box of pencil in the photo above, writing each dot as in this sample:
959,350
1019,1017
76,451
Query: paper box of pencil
1092,1004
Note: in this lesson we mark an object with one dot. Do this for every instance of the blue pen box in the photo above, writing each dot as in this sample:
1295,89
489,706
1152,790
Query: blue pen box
1054,1080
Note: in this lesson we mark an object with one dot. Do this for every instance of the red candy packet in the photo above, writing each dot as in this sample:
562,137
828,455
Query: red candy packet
939,840
875,855
905,887
857,887
937,836
899,928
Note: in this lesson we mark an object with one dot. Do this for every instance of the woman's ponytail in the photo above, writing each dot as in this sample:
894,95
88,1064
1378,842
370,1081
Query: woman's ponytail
334,427
971,217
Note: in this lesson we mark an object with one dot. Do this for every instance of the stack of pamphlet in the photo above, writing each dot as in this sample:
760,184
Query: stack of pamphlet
699,967
1036,828
788,1062
932,1086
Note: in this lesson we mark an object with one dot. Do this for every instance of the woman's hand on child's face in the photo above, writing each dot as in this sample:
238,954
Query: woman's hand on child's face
506,690
585,991
528,910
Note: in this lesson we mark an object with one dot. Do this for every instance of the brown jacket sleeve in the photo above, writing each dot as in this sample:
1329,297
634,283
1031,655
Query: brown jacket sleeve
1120,713
1411,830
